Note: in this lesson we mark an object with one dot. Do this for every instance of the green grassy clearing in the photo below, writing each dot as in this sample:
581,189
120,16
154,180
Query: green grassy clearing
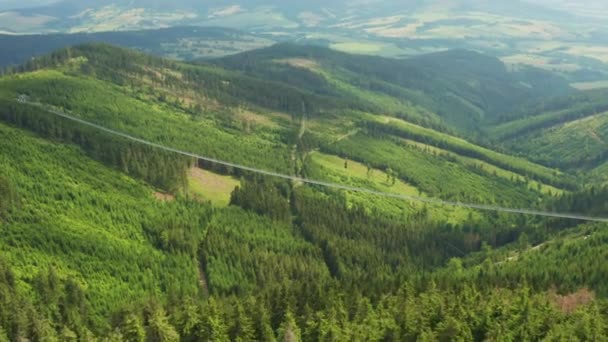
356,174
209,186
439,176
369,48
590,85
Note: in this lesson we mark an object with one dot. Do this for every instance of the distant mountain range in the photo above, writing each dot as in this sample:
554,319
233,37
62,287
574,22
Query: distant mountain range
71,15
186,43
555,35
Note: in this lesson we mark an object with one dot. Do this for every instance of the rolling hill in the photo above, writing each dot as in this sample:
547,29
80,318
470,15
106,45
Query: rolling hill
568,132
70,14
548,35
463,88
105,237
178,42
249,99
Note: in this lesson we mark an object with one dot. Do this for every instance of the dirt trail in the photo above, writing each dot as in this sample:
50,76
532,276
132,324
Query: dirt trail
302,127
164,197
595,136
347,135
517,254
294,149
536,248
202,279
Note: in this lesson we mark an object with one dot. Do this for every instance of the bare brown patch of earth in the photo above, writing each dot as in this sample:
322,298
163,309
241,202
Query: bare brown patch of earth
300,63
164,197
571,302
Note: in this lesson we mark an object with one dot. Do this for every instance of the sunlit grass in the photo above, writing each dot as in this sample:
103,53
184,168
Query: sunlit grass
209,186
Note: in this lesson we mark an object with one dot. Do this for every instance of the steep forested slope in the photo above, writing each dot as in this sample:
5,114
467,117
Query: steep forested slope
464,88
246,120
74,223
568,132
110,249
101,236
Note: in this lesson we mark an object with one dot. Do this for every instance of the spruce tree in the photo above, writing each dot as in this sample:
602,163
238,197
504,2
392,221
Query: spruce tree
289,330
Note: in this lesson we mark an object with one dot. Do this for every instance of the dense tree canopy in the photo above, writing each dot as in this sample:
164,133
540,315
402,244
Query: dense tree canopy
103,239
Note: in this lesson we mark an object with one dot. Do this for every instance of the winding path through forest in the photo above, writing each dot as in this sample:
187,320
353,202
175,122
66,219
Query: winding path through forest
302,126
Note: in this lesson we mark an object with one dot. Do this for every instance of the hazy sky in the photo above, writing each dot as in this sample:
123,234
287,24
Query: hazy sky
26,2
576,6
6,4
29,3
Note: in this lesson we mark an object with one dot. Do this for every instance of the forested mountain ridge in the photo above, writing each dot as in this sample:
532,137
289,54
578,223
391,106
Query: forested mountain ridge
105,238
464,88
569,132
199,90
568,39
176,42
